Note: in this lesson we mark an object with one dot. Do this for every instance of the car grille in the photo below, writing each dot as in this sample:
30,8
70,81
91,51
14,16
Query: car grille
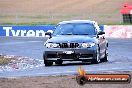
69,45
70,56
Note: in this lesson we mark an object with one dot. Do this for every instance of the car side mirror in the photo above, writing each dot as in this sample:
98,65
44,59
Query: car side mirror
48,34
101,33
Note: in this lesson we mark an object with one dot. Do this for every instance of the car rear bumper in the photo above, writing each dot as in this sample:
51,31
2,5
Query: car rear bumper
81,54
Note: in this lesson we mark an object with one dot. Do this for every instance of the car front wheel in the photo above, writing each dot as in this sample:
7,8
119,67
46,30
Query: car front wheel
46,62
59,62
105,59
96,60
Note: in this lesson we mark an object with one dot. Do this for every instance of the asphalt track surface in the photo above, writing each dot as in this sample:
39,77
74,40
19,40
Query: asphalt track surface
120,57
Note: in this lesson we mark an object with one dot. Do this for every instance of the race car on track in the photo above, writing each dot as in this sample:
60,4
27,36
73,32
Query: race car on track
75,40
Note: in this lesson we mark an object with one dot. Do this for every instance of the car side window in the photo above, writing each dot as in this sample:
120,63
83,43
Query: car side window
97,28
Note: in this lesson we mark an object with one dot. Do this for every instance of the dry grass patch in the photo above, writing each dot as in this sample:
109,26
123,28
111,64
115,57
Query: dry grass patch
4,60
102,11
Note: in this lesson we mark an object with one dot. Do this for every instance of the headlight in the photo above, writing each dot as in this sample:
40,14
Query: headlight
87,45
51,45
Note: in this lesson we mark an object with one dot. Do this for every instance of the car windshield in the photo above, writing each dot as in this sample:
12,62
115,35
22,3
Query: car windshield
75,29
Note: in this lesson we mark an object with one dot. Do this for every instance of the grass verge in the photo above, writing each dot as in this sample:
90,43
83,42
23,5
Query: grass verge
53,23
32,23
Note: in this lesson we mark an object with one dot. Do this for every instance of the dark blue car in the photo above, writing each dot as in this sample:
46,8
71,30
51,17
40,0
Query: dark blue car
76,40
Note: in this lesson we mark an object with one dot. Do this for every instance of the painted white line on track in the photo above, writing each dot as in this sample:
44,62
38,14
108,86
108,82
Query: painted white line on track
71,72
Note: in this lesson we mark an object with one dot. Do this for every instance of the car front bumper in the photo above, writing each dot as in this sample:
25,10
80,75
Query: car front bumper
70,54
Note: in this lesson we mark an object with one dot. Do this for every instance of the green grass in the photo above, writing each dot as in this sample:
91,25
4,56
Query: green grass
58,17
118,23
54,23
32,23
4,61
36,16
45,16
7,16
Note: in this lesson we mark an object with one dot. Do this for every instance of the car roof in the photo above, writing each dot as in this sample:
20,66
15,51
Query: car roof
77,21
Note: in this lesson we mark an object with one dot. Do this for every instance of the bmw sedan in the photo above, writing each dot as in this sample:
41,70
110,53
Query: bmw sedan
76,40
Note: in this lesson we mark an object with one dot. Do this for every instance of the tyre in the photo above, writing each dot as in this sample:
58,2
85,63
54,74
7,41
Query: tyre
59,62
105,59
97,58
46,62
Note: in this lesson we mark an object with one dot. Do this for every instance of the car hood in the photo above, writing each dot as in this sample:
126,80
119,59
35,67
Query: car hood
72,38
